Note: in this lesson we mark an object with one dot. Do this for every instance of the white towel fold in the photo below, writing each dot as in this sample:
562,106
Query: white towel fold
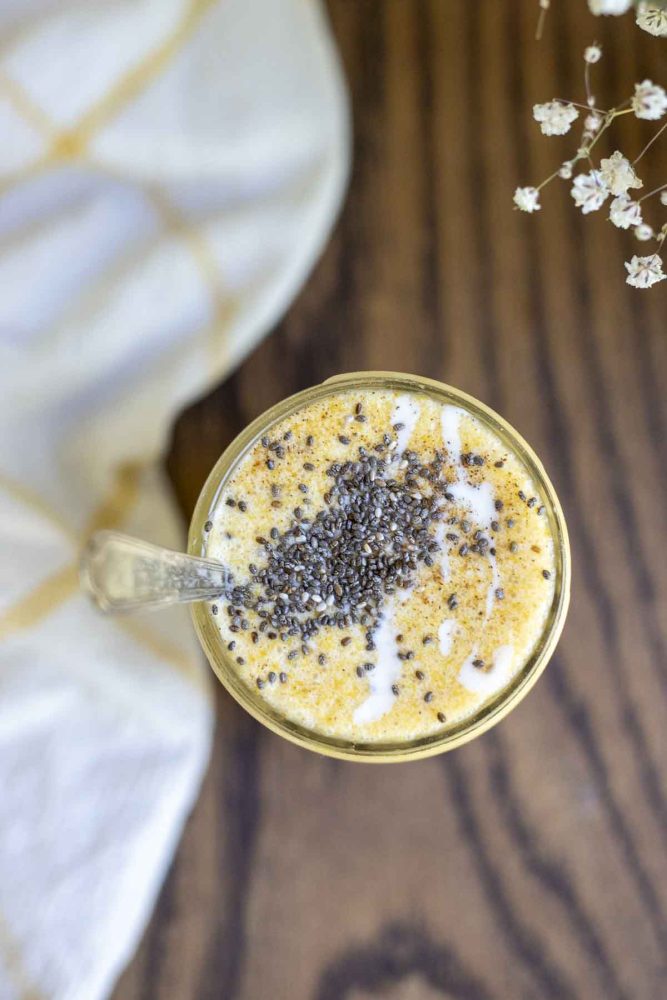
169,171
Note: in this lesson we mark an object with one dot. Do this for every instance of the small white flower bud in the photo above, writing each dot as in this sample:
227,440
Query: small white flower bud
644,232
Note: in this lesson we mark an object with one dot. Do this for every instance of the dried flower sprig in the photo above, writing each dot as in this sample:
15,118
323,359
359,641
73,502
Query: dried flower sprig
650,15
612,177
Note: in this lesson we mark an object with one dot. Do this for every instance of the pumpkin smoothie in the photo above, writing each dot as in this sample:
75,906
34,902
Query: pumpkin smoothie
392,567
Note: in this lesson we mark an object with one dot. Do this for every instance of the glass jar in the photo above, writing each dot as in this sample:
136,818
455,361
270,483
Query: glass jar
490,712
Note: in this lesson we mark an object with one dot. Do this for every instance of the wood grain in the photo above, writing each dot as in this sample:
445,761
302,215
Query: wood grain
530,864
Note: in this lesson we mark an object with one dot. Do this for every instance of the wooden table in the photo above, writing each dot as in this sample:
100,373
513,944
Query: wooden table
530,864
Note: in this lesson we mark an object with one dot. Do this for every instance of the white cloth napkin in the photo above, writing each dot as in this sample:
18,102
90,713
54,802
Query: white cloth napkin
169,171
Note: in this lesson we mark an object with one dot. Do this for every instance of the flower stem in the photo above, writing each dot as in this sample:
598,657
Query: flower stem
609,117
650,143
649,194
546,181
587,80
540,24
578,104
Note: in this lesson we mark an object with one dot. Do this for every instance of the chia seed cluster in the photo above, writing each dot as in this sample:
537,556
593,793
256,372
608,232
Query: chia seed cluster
335,569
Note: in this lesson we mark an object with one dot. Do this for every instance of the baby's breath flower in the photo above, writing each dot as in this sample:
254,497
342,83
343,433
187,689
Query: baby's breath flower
592,123
644,232
592,53
565,171
614,7
663,197
555,118
644,271
589,191
653,19
650,101
625,213
527,199
618,174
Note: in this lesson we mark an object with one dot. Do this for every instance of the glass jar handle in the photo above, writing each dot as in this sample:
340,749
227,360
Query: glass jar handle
121,573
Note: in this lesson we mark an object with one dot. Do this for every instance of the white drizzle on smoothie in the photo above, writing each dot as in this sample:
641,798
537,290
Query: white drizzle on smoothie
487,682
406,412
446,634
387,665
387,671
479,500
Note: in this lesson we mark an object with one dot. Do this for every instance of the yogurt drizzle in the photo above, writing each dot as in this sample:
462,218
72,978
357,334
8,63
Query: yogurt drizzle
387,668
479,500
